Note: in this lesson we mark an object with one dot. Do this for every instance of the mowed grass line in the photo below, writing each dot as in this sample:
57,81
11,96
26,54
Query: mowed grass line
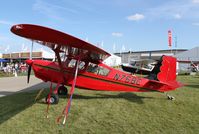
105,112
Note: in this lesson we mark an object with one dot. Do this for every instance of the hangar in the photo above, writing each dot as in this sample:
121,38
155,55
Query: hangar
154,54
187,58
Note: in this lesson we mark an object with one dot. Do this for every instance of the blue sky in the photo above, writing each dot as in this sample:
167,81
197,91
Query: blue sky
114,25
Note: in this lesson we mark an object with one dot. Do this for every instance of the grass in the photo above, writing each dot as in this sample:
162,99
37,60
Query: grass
2,74
105,112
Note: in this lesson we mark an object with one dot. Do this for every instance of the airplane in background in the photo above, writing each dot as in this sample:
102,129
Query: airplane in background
194,65
79,64
139,66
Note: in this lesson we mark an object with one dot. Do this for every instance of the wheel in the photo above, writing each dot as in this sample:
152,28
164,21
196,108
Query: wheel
54,99
62,90
171,97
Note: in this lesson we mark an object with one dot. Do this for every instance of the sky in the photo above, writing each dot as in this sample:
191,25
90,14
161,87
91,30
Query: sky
114,25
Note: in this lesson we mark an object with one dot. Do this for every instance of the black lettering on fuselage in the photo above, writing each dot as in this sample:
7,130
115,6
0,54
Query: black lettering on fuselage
128,79
133,80
116,77
123,76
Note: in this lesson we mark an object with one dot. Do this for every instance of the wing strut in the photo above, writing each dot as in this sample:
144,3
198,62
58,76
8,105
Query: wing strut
49,95
66,110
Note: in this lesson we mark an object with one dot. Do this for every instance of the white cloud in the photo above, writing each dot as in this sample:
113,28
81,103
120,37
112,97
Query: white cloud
136,17
195,1
117,34
177,16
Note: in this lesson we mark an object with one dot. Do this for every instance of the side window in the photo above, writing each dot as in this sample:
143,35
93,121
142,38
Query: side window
72,63
103,71
94,68
82,65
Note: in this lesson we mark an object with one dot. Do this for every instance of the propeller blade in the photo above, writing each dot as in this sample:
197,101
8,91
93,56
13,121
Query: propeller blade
29,62
29,71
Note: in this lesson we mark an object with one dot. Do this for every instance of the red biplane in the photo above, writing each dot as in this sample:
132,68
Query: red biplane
79,63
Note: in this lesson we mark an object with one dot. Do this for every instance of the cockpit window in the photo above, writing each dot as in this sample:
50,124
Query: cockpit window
72,63
94,68
82,65
103,71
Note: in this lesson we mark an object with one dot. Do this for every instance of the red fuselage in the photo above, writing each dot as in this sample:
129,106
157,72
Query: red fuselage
111,80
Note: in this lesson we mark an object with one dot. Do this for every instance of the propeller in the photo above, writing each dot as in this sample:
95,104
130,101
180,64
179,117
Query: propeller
29,62
29,71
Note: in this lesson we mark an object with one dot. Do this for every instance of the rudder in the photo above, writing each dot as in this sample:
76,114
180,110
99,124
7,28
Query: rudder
165,69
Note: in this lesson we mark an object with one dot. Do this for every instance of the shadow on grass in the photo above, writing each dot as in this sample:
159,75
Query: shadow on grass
3,93
193,86
13,104
127,96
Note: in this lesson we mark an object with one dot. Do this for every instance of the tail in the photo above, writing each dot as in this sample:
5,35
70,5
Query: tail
165,73
164,70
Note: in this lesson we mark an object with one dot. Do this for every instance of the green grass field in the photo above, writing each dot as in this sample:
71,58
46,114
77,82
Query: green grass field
106,112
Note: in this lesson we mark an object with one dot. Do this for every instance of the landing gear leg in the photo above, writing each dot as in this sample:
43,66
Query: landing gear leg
169,97
51,98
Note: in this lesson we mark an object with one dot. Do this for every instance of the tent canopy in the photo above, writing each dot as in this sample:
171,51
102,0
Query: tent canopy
3,60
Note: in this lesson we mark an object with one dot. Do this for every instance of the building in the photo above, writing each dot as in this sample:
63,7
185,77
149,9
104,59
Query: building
154,54
21,56
187,58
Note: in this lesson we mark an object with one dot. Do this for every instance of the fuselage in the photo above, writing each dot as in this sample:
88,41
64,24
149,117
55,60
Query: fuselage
100,77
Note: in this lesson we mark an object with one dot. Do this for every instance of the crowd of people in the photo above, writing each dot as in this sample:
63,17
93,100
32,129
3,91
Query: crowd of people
14,68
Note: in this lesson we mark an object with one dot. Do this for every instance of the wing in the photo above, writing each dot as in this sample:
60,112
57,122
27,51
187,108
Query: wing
144,61
58,40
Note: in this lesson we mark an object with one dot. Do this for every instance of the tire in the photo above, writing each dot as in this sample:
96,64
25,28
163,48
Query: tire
54,99
62,90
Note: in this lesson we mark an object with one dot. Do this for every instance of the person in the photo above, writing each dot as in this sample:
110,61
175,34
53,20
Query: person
16,68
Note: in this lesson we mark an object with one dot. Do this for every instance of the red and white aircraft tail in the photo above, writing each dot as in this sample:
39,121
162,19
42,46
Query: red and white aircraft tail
165,71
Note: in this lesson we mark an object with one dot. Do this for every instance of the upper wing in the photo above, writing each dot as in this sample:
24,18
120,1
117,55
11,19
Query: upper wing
143,61
53,38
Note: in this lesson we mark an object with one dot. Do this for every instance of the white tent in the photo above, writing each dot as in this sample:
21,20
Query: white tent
113,60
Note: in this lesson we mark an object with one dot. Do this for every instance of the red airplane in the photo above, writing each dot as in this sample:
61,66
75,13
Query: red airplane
79,64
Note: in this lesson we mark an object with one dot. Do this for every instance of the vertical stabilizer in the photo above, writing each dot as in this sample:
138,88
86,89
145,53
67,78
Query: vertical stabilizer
165,69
